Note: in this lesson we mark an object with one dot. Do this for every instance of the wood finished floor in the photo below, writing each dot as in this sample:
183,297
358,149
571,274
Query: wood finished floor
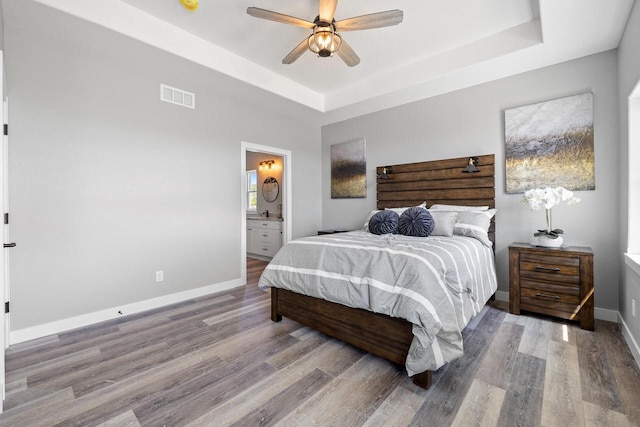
219,360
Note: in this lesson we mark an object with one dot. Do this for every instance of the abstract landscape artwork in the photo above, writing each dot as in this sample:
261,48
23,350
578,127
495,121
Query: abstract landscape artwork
349,170
550,144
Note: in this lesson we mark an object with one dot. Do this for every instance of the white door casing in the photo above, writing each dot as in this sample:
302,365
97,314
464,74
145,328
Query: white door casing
286,197
4,258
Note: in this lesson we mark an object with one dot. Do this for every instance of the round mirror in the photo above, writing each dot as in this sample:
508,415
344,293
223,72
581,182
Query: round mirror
270,189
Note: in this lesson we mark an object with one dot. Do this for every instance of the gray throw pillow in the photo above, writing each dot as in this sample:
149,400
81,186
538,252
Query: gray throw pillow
384,222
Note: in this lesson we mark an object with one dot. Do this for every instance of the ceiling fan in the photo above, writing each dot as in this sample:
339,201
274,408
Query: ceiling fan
325,40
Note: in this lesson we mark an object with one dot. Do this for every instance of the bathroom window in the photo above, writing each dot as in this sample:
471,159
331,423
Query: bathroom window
252,191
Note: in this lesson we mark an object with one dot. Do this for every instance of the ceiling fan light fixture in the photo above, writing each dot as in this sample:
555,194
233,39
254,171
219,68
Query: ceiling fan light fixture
324,41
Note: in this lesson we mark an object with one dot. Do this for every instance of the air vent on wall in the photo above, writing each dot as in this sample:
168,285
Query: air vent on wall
177,96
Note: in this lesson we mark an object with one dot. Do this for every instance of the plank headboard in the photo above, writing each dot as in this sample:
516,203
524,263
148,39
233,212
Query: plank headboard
439,182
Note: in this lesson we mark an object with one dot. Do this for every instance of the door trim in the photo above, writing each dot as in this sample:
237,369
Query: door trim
4,262
286,197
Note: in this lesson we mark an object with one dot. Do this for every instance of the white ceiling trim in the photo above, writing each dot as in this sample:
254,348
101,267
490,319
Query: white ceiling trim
130,21
559,30
435,69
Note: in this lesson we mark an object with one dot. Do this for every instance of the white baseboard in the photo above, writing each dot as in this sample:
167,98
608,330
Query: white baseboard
598,313
502,296
70,323
606,314
628,337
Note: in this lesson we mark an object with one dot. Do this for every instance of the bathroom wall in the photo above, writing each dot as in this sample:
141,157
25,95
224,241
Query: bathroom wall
253,162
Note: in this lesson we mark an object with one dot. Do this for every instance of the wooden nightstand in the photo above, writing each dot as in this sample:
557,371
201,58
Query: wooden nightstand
556,282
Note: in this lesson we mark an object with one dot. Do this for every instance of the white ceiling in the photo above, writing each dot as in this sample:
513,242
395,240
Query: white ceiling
441,46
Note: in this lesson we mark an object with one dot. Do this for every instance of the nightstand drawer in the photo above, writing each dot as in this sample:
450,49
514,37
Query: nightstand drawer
550,264
547,293
552,277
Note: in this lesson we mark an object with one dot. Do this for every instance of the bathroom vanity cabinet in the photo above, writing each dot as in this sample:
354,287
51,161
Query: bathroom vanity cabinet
264,237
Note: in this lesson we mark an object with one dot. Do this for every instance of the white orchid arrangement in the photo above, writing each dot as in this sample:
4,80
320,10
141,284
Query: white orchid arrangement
549,197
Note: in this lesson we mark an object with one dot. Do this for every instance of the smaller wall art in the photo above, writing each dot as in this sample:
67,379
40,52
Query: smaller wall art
550,144
349,170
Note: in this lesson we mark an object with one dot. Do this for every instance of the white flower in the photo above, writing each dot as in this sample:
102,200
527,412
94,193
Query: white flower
548,197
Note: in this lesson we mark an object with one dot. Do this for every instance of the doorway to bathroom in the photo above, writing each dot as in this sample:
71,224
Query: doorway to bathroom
265,202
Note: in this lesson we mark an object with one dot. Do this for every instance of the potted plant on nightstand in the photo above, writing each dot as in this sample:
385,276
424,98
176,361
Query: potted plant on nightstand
548,198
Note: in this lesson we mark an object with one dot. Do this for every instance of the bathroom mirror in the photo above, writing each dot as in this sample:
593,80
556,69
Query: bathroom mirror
270,189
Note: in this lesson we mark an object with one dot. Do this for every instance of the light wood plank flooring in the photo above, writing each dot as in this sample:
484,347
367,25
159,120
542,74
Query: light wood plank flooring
219,360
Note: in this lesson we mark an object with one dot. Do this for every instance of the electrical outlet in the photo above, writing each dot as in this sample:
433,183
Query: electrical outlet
633,308
159,276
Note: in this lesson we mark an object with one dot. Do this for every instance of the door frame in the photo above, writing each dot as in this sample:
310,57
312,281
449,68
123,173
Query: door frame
286,197
4,262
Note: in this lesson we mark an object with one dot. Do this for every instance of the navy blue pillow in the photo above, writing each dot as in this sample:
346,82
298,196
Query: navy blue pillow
416,222
384,222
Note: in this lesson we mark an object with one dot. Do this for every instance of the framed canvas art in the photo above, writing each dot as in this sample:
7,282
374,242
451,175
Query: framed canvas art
349,170
550,144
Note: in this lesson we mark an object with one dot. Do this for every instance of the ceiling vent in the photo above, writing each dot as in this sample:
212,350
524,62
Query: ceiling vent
177,96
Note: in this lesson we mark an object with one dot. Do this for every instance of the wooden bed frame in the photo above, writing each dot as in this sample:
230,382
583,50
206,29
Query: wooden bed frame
436,182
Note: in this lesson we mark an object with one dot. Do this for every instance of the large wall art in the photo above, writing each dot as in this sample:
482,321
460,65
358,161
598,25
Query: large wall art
349,170
550,144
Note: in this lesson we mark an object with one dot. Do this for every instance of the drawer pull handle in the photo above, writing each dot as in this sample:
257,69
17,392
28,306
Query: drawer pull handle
538,294
539,267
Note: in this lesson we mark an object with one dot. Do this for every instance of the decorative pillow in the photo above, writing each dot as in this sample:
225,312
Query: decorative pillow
371,214
444,223
384,222
416,222
457,208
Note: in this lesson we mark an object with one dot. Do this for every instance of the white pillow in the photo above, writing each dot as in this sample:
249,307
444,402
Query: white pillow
475,218
371,214
489,213
444,223
399,211
475,224
474,231
480,219
458,208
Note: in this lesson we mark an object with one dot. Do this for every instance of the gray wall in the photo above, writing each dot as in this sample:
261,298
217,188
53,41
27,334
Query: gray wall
471,122
108,184
628,78
1,29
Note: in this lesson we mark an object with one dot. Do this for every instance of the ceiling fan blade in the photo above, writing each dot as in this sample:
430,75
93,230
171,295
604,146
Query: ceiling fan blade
373,20
327,10
348,55
296,52
279,17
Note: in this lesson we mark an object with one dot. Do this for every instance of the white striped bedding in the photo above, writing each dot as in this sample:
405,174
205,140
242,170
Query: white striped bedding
437,283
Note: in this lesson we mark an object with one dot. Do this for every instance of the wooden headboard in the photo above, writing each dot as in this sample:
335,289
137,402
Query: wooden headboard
439,182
